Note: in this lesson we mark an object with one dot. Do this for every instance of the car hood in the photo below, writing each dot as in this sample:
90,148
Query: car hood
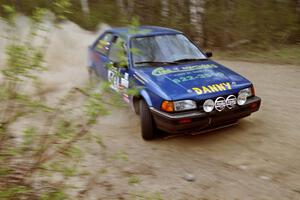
195,80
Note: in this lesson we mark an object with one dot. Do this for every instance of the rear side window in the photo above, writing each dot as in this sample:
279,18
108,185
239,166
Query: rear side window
117,51
103,44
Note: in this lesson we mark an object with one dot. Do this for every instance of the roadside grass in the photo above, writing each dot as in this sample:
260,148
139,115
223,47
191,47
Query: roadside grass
279,55
133,180
146,196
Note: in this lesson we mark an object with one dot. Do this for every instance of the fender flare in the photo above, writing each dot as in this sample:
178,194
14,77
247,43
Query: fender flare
142,94
134,100
145,95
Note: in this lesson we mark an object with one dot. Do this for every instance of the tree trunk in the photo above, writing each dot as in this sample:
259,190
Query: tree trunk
121,5
126,7
196,12
165,8
130,6
85,6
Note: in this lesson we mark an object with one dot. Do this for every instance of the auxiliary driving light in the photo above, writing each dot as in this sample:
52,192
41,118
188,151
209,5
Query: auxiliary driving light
208,105
242,98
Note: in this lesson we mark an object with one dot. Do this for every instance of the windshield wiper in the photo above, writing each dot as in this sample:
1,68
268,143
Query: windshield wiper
189,59
157,62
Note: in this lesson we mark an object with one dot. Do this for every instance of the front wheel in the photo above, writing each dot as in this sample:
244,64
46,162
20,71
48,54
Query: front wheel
147,122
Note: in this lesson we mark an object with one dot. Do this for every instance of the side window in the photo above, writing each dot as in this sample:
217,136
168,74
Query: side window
117,52
103,44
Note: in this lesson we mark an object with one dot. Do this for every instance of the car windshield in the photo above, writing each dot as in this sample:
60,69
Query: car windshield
166,49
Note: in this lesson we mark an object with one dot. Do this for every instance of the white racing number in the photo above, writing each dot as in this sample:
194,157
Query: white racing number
117,82
113,79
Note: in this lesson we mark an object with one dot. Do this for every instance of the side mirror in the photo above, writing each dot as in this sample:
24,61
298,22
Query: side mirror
209,54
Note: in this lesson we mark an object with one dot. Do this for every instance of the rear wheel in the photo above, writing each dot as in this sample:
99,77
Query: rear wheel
147,122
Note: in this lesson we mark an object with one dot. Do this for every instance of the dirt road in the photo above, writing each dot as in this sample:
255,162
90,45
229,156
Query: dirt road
257,159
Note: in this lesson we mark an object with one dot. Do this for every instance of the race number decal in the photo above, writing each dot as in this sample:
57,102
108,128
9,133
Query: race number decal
113,79
117,81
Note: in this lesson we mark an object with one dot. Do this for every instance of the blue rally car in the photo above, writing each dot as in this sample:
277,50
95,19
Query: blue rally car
179,89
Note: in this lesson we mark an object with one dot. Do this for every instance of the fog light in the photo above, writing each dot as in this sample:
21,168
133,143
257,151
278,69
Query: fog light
242,98
208,105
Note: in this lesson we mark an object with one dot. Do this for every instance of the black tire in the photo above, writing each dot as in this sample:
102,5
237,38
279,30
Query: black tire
136,106
147,122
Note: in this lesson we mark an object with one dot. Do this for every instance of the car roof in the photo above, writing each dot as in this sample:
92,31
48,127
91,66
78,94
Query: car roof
128,32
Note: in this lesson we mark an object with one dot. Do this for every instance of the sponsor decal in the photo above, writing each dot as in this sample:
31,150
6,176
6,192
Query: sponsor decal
163,71
212,88
124,82
102,44
230,101
113,79
220,104
117,81
126,75
195,76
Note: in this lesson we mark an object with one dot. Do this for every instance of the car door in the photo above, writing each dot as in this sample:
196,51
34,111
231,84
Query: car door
99,54
118,69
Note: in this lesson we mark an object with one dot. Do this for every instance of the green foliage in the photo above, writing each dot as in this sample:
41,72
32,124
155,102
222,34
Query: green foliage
146,196
121,155
19,63
94,107
69,171
103,171
44,147
9,14
58,194
283,55
74,152
10,151
23,59
135,23
4,171
29,136
267,23
62,8
31,104
38,15
99,141
8,10
133,180
14,192
62,168
65,130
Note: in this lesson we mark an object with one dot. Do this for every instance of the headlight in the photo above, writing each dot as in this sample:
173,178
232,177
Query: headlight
242,98
244,94
171,106
248,92
208,105
184,105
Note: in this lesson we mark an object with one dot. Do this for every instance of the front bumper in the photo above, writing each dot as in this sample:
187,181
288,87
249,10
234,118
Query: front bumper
196,121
